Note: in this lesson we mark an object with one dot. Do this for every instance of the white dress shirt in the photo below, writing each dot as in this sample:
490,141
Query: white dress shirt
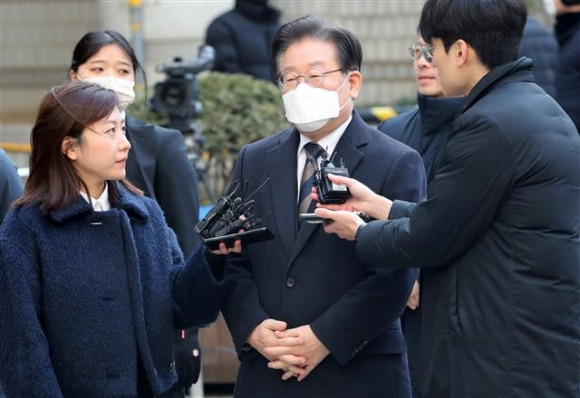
100,204
328,143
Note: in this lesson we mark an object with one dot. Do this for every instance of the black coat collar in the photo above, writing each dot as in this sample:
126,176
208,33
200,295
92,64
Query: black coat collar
522,66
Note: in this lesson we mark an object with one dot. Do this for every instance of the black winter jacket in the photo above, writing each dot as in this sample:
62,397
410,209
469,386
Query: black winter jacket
425,128
539,44
498,240
568,79
242,38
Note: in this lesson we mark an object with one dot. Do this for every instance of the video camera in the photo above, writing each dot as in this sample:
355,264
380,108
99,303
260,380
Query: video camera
178,96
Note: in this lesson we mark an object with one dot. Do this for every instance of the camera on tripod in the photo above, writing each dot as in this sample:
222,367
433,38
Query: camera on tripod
178,96
330,192
178,99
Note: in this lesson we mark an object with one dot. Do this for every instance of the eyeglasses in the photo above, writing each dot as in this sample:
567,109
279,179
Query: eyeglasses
417,51
315,78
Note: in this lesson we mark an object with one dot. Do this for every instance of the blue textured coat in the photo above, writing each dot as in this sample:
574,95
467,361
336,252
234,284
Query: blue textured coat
84,294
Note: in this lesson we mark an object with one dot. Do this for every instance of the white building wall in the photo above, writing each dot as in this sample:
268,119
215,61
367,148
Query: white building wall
37,39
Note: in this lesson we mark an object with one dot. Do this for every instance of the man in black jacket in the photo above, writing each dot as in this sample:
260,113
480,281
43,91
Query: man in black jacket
426,129
242,37
568,79
498,237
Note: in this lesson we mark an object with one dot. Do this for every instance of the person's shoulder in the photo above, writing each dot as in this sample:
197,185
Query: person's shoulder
20,219
167,133
6,160
270,141
533,26
396,124
225,18
139,203
137,126
386,145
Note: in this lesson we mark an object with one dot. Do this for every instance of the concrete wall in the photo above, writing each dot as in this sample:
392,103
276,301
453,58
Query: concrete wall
37,39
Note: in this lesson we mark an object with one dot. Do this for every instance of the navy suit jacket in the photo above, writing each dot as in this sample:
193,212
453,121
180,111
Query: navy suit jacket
305,276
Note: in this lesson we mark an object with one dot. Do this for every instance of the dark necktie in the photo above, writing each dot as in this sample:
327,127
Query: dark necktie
313,151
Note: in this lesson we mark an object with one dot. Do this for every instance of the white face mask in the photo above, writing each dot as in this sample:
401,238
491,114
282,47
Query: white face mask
310,108
124,88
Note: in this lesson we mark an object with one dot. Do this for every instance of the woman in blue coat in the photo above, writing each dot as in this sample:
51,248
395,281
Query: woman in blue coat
158,163
93,281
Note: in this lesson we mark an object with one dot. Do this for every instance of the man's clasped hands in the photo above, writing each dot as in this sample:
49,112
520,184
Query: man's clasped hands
295,351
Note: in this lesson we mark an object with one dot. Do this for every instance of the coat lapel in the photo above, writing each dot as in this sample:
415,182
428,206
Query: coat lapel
141,160
282,164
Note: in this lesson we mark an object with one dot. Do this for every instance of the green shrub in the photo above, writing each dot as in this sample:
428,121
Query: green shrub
238,109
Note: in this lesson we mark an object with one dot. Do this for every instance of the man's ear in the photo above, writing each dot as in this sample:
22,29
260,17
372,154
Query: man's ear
461,51
355,80
69,147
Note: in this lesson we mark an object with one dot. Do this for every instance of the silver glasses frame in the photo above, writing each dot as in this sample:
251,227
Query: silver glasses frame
417,50
295,79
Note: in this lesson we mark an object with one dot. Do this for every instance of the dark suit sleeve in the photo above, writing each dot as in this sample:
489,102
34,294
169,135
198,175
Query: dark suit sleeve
379,299
463,197
176,188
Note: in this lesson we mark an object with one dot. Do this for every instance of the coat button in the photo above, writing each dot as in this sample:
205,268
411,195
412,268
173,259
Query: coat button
290,282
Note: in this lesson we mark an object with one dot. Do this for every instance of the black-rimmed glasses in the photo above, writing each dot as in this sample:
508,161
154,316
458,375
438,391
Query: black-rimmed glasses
315,78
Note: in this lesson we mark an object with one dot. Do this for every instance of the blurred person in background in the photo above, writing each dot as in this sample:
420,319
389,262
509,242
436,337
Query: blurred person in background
242,37
10,189
540,44
158,163
568,79
93,281
426,129
10,184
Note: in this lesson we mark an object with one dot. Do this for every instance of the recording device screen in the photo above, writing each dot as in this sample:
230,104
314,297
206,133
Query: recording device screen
254,235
